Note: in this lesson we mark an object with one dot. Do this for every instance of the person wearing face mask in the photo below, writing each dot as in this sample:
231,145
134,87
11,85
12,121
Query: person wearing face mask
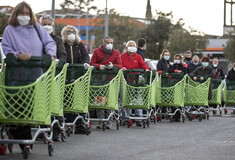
203,73
141,42
187,57
178,66
218,73
194,64
163,64
132,60
24,37
48,24
231,73
105,57
75,49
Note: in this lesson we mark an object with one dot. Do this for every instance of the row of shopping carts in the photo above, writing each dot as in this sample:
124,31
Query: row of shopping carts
72,89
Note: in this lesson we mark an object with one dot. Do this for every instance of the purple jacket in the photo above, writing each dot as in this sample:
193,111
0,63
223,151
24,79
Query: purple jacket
25,39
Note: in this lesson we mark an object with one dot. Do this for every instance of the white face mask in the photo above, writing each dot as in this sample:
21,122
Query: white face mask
23,20
71,37
176,61
132,49
48,28
109,46
215,65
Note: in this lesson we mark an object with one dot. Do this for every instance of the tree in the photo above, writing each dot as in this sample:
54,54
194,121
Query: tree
156,33
78,4
148,14
121,29
230,47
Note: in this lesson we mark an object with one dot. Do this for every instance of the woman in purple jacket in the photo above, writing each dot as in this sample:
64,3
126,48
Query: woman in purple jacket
24,37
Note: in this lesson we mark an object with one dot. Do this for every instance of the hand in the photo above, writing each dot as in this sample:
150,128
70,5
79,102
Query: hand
179,71
194,78
124,69
86,65
146,70
102,67
110,66
201,78
23,57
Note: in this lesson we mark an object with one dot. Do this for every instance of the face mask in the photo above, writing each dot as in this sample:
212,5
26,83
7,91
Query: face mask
23,20
215,65
195,63
144,48
131,49
234,68
166,58
71,37
48,28
205,64
109,46
177,61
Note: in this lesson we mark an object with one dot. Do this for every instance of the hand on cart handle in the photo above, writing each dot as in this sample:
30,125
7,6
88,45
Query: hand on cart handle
23,57
102,67
194,78
201,78
86,65
110,66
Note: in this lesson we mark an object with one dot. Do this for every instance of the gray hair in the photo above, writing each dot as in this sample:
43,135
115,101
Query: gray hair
46,17
131,41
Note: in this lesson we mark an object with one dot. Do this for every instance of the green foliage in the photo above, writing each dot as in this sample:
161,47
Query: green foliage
78,4
121,29
230,47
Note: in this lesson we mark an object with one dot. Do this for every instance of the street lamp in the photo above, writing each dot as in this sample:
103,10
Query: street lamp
106,27
53,12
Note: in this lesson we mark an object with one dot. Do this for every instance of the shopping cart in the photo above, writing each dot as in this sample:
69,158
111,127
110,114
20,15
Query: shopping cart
170,96
104,95
196,99
229,94
26,101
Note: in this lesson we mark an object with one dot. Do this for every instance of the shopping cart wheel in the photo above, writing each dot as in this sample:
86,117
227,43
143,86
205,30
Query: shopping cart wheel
183,119
225,111
207,116
154,120
117,125
190,118
171,119
88,131
159,118
200,118
50,149
144,124
25,152
103,127
63,137
148,123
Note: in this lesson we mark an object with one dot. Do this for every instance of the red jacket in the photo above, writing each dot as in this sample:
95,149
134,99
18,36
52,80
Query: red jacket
99,54
134,61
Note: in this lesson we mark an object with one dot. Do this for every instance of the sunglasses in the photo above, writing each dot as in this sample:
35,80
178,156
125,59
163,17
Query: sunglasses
69,32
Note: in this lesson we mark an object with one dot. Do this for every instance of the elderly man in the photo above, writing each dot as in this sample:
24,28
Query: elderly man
218,73
132,60
105,57
187,57
48,24
194,64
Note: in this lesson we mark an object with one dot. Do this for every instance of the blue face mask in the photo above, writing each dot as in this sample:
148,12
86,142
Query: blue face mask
166,58
205,64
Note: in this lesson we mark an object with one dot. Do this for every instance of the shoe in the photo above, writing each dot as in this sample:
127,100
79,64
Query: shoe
10,148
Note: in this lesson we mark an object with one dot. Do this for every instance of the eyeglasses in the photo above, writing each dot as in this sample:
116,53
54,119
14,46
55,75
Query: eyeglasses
47,17
69,32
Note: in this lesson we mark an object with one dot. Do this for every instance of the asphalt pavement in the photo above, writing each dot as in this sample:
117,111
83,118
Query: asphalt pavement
212,139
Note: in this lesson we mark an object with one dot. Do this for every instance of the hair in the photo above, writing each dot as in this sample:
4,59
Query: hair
17,10
131,41
105,38
64,34
141,42
216,58
163,52
178,55
205,59
187,52
46,17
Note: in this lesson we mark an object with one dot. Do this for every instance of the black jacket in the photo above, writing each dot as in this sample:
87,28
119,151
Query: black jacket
173,67
192,67
218,73
140,52
79,51
60,53
231,75
207,72
163,65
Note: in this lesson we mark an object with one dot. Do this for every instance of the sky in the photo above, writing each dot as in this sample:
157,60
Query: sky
203,15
